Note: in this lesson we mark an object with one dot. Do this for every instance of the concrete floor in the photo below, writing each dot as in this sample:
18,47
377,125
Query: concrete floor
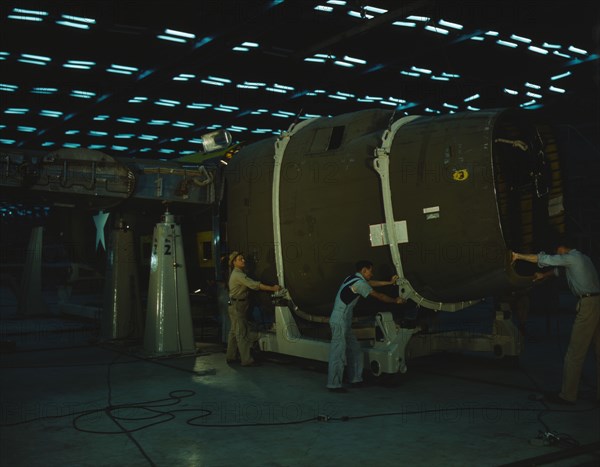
66,402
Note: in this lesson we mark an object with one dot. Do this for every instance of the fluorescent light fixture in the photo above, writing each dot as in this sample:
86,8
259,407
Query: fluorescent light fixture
514,37
450,106
344,64
375,98
506,43
183,124
473,109
420,70
123,67
254,83
533,94
477,38
212,83
71,145
334,2
236,127
174,32
395,99
82,94
97,133
32,62
538,50
512,92
360,61
50,113
171,38
11,87
324,56
313,59
50,143
440,78
449,24
148,137
437,30
237,48
36,57
555,89
281,91
245,86
364,100
26,129
279,115
222,80
71,24
406,24
450,75
528,103
390,103
532,85
373,9
80,19
551,46
196,105
577,50
423,19
492,33
158,122
320,91
358,14
326,9
283,86
166,150
249,44
124,136
472,98
560,54
7,141
16,111
25,18
30,12
128,119
114,147
101,118
410,73
563,75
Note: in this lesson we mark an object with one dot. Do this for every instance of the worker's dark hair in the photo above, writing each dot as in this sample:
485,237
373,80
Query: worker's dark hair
363,263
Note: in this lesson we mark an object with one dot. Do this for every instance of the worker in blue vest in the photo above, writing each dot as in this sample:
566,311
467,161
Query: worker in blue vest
344,346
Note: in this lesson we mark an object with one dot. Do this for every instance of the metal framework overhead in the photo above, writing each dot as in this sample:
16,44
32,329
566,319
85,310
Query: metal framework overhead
148,78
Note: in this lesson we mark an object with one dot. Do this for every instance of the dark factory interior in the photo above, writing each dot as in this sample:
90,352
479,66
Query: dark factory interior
147,147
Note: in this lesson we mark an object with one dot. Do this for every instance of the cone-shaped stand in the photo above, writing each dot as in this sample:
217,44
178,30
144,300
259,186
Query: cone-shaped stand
30,299
168,319
122,313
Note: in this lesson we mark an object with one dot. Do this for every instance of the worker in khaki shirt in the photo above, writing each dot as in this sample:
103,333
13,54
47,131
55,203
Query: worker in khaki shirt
240,336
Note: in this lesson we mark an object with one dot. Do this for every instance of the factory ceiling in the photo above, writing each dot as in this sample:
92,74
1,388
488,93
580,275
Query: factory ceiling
147,79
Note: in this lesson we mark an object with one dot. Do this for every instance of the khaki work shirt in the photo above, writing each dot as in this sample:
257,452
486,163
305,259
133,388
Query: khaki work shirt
239,283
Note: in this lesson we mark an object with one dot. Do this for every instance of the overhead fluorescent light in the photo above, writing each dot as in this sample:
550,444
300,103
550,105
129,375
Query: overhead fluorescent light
514,37
449,24
406,24
577,50
563,75
437,30
512,45
538,50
